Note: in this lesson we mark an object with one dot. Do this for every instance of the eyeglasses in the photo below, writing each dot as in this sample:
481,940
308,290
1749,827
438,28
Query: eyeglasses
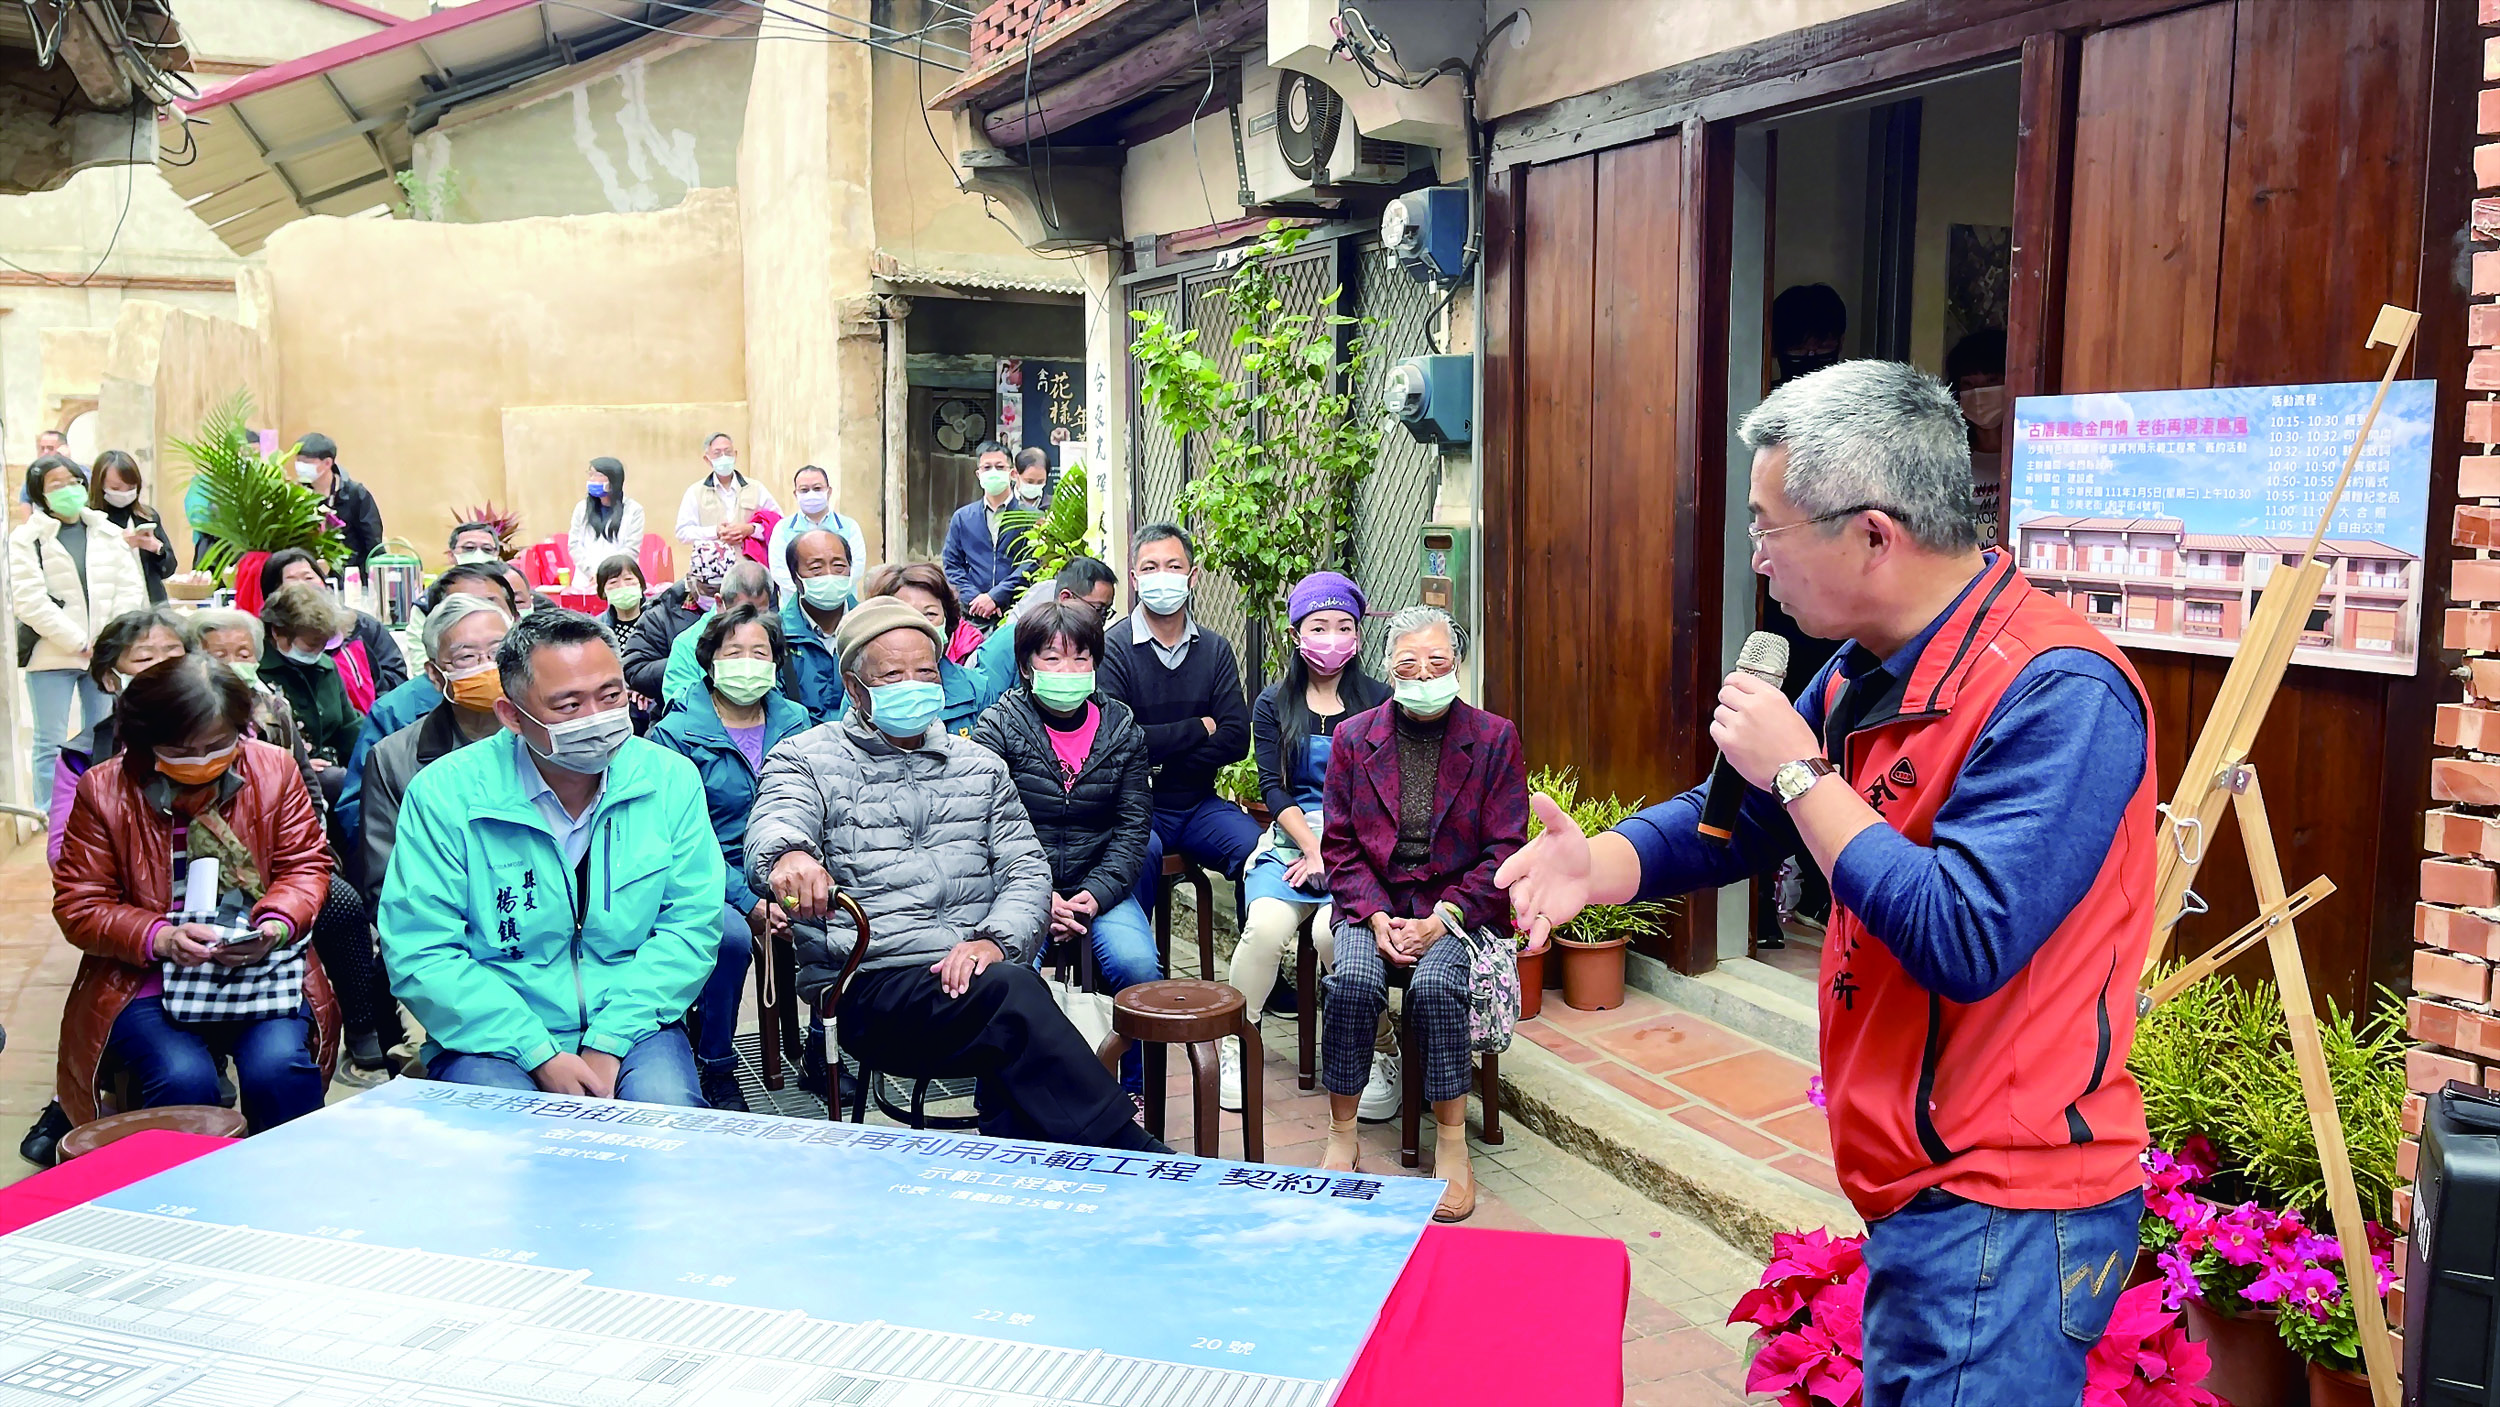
1426,667
1758,532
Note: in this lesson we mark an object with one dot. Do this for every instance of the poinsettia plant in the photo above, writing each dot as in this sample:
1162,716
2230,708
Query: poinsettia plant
1809,1310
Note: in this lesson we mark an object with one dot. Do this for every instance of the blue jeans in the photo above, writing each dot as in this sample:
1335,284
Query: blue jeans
1959,1299
1124,946
50,691
658,1070
716,1009
176,1062
1214,833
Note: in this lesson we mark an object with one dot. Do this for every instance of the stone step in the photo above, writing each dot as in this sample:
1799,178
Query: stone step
1772,1006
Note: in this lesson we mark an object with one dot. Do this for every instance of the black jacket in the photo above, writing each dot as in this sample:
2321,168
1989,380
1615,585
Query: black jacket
359,515
1095,832
645,652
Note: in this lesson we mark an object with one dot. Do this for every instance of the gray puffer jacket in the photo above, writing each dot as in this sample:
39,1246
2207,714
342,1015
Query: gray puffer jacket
932,842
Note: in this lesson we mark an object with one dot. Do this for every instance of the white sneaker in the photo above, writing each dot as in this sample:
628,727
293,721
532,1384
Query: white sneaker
1228,1073
1381,1091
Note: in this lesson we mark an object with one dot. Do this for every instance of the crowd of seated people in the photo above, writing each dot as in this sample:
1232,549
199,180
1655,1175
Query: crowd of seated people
561,843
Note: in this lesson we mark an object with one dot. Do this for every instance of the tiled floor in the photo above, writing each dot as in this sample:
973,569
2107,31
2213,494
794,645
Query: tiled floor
1676,1345
1699,1073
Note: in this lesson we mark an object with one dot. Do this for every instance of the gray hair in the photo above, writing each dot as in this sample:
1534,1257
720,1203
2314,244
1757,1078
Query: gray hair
208,620
455,608
1874,434
1416,619
517,657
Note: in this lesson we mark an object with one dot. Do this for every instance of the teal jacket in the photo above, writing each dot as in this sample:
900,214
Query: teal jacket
994,664
810,675
682,674
488,938
695,732
968,694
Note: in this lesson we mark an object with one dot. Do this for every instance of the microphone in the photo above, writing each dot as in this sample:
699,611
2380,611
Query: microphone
1765,657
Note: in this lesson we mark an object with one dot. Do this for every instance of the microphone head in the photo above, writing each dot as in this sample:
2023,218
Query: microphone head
1765,654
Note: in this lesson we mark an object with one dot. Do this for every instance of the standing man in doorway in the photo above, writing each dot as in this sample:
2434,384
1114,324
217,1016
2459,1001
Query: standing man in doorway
317,468
1978,987
1183,683
978,559
717,515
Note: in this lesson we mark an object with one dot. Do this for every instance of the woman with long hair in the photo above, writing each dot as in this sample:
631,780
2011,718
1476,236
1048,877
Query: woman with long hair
114,491
605,522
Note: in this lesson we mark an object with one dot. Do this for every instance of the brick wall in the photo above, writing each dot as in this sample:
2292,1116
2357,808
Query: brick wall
1002,27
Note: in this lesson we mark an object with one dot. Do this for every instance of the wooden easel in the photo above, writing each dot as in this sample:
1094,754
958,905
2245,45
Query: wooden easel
2218,774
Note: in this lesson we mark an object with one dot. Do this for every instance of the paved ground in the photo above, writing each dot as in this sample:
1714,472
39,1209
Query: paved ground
1677,1348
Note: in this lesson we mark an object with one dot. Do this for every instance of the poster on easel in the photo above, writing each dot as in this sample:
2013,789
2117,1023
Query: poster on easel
2161,515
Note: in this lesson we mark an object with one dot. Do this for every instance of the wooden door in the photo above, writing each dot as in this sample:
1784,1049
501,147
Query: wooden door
2247,188
1602,595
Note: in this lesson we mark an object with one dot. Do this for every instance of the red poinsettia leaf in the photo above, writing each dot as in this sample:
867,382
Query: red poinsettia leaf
1783,1363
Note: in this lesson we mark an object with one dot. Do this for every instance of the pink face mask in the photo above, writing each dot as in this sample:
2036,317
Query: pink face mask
1330,653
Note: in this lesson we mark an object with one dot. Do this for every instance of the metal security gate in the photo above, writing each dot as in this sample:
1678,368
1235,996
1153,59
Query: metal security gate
1389,505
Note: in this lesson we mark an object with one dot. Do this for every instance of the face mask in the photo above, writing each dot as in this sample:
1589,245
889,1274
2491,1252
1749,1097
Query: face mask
1796,364
301,656
307,471
121,682
196,771
1030,493
597,489
907,709
825,592
121,498
1427,698
625,596
1330,653
584,745
1063,691
993,482
813,502
66,502
475,689
725,466
742,682
1163,592
473,556
247,670
1984,407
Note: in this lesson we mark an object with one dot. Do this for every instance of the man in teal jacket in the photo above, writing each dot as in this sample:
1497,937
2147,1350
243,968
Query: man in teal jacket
554,901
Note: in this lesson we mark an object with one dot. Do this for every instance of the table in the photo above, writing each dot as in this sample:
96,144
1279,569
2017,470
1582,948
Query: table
1479,1317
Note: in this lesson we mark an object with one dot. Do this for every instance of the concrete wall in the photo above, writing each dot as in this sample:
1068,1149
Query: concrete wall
261,32
924,223
547,451
165,369
412,374
636,134
1580,46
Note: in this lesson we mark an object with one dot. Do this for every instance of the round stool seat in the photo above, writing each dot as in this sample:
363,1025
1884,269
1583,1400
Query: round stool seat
1177,1011
180,1118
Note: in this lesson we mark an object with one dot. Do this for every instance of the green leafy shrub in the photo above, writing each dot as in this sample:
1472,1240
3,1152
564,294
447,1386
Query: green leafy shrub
1052,536
252,502
1598,923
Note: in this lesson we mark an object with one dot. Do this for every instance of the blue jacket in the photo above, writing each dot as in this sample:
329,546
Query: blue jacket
968,695
695,731
810,675
487,939
391,712
973,566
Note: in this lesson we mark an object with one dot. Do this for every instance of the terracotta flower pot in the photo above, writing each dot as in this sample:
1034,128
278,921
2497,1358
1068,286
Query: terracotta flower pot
1532,983
1592,973
2333,1387
2251,1368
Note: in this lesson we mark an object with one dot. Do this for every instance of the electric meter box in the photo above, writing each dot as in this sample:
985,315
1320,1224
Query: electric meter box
1448,572
1434,397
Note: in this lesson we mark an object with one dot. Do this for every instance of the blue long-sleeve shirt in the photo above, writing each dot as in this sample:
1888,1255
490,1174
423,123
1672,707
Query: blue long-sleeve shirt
2032,815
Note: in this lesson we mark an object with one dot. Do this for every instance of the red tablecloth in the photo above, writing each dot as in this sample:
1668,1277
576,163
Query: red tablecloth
1490,1317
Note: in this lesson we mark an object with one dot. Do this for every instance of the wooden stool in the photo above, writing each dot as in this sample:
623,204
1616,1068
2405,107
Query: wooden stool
1175,868
181,1118
1196,1014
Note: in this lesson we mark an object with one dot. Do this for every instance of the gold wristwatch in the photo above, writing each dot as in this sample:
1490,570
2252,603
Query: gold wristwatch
1795,779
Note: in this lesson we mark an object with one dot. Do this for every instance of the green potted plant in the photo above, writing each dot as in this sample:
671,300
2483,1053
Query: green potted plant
1048,538
1590,946
248,501
1238,783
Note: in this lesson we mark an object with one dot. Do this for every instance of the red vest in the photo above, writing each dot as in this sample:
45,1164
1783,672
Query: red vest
2020,1100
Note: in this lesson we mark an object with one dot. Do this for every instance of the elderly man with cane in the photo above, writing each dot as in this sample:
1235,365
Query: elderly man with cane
1973,770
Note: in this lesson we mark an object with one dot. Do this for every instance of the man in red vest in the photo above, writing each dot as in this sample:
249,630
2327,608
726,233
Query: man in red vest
1973,770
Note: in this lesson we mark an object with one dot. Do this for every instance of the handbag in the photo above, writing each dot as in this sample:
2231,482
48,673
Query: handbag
1492,990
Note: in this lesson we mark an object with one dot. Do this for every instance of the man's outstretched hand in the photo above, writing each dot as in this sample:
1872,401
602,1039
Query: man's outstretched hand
1548,878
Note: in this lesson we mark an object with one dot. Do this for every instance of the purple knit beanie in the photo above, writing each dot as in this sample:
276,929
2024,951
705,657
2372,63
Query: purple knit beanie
1324,591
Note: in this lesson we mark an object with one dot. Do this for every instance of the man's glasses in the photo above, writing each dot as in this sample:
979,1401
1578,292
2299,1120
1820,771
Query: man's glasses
1758,532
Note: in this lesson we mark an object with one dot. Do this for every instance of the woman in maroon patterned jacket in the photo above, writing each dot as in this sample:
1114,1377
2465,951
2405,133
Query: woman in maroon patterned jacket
1425,798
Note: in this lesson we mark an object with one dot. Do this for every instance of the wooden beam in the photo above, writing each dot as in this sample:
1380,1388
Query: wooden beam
1185,104
2035,303
158,283
1129,76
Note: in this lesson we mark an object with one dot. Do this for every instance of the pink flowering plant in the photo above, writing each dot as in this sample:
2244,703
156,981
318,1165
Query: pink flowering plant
1810,1346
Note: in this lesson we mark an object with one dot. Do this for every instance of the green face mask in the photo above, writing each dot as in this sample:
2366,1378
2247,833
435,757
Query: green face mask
249,670
1063,692
67,501
742,682
993,482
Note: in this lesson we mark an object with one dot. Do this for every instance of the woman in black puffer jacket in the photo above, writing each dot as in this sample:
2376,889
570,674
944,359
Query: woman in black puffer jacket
1079,760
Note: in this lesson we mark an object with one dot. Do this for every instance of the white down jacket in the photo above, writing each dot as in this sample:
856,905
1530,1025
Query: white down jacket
44,588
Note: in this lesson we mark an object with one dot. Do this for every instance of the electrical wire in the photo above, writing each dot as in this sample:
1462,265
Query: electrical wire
130,186
1197,161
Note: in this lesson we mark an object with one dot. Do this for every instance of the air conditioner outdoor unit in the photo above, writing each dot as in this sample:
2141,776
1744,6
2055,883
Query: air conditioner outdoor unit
1296,137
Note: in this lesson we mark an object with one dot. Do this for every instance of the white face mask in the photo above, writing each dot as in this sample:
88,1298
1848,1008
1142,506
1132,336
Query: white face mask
1163,592
812,502
121,498
307,471
725,465
1030,493
584,745
1984,407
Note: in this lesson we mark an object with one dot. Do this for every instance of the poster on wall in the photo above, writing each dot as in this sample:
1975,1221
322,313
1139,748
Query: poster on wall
2160,515
1009,429
438,1243
1054,409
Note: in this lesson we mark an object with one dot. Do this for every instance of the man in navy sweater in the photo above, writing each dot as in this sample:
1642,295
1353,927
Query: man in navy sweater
1183,683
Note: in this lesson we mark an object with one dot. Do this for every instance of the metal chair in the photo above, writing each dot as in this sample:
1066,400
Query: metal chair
777,1014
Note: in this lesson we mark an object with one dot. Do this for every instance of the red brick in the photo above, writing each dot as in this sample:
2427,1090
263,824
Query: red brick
2459,779
2478,475
2411,1118
2430,1022
2461,725
2470,630
2475,525
2478,1034
2482,373
2482,421
2474,579
2457,882
2455,833
2487,13
2487,111
2429,1071
2404,1210
2484,220
2491,60
2482,679
2438,974
2486,262
2455,930
2408,1157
